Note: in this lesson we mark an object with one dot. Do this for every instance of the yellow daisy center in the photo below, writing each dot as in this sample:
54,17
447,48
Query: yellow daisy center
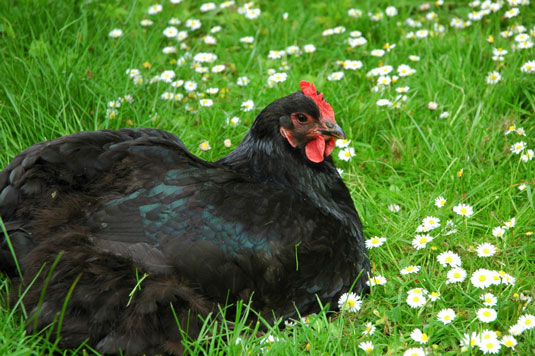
482,278
425,337
463,211
350,303
486,313
423,240
486,251
449,259
456,275
509,343
375,240
446,317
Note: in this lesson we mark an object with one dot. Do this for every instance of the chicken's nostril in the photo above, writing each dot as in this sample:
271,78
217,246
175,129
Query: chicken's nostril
329,124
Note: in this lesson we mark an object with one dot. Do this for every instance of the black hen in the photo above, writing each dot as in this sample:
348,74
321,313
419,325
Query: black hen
272,221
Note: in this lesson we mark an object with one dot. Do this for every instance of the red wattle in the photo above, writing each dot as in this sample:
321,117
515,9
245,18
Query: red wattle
315,149
329,147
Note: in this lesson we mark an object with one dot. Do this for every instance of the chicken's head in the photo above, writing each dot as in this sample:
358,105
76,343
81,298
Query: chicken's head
312,126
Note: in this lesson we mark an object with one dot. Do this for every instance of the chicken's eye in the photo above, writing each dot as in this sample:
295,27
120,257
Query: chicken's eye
302,118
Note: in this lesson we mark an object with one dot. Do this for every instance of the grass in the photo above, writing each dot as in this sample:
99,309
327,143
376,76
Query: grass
60,69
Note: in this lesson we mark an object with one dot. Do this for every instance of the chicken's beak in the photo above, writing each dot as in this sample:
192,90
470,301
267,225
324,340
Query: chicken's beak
333,130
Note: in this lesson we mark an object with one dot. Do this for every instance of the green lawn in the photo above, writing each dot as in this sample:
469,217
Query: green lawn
62,72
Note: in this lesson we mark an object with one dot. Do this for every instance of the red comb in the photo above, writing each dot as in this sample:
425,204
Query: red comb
309,90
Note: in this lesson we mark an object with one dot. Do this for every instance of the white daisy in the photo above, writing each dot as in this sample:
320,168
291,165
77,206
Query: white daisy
509,341
493,77
489,299
528,156
167,76
190,86
335,76
419,291
419,336
431,223
367,346
449,258
440,202
342,143
369,330
415,300
446,316
518,147
456,275
247,105
154,9
350,302
421,241
375,242
489,346
509,223
170,32
166,96
498,231
434,296
463,210
487,315
482,278
486,250
206,102
469,340
346,154
242,81
410,269
376,281
115,33
394,208
527,321
515,329
414,351
218,68
205,146
377,53
383,102
309,48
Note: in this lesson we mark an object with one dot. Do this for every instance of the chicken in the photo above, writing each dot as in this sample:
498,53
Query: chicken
127,229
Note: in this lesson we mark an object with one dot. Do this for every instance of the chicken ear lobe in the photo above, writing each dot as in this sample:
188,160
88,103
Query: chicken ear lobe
287,134
315,149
